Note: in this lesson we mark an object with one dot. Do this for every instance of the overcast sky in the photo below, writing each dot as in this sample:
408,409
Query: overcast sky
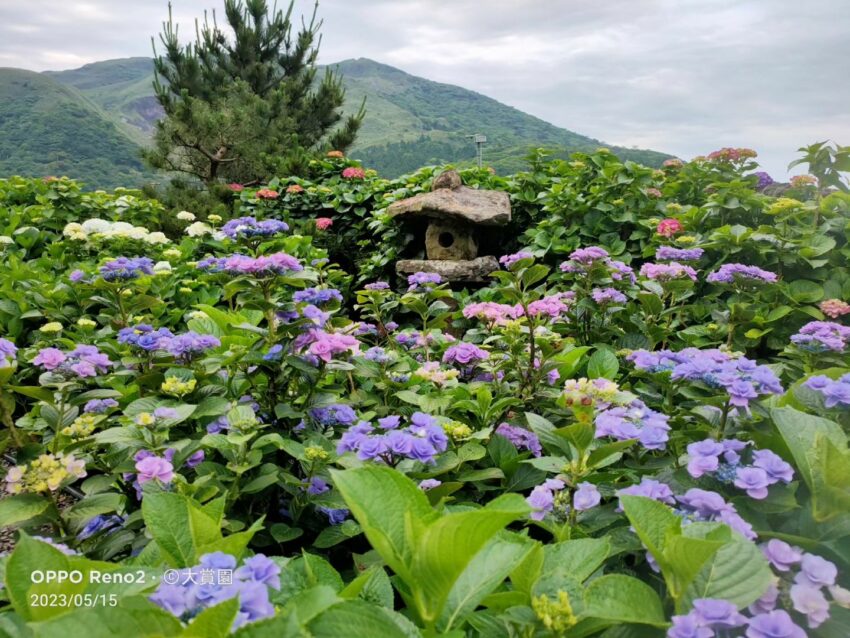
681,76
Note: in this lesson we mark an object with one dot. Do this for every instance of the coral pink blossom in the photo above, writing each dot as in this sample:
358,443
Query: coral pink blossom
653,192
834,308
295,188
353,172
236,187
336,154
323,223
669,227
267,193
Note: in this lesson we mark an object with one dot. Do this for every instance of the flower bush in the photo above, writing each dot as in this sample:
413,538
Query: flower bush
637,427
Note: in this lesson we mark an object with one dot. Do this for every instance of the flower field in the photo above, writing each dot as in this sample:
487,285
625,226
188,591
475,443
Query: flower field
246,424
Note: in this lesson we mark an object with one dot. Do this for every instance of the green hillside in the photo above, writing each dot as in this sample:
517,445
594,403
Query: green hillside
410,122
47,128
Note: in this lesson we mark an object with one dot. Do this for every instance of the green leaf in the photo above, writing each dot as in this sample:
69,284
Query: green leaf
737,572
17,509
358,619
215,621
143,620
373,586
336,534
485,572
623,599
577,558
387,505
603,363
179,526
83,511
800,431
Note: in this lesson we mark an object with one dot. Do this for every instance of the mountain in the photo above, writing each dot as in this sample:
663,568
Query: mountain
48,128
410,121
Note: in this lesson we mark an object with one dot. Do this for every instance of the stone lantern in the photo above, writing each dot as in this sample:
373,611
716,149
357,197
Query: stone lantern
455,216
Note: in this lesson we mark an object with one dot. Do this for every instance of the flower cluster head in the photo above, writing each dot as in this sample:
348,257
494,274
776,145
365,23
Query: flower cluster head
331,415
742,275
653,192
263,266
670,253
804,579
834,308
822,336
185,346
520,438
764,180
83,426
431,371
327,345
377,286
422,440
47,473
605,296
742,379
494,314
667,272
509,260
649,488
83,361
423,280
267,193
99,406
799,181
317,296
669,227
175,386
707,616
673,162
353,172
216,579
731,154
634,421
595,259
249,228
456,430
550,306
835,393
8,352
126,268
704,505
323,223
550,498
104,230
465,355
585,392
722,459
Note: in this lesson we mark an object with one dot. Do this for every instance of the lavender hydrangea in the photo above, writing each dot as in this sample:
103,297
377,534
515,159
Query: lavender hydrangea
822,336
317,296
520,438
634,421
423,280
722,459
331,415
670,253
509,260
835,393
126,268
377,285
542,498
704,505
604,296
263,266
249,228
8,351
84,361
422,440
667,272
741,275
465,355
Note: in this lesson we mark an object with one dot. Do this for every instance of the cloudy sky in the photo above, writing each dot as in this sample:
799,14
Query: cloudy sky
681,76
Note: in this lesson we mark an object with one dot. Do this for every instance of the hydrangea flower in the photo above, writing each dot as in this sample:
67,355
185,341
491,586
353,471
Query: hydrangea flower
835,393
741,275
834,308
99,406
108,523
263,266
377,285
704,505
84,361
126,268
669,227
604,296
650,488
353,172
465,354
331,415
667,272
722,459
47,473
423,280
822,336
669,253
764,180
327,345
8,352
317,296
509,260
520,438
420,441
249,228
634,421
774,624
586,496
542,498
495,314
323,223
250,583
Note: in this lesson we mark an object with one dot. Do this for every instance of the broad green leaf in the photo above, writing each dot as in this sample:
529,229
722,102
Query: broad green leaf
603,363
373,586
143,620
737,572
577,558
179,526
215,621
358,619
623,599
83,511
20,508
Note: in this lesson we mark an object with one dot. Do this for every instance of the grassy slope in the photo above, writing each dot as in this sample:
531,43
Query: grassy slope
47,128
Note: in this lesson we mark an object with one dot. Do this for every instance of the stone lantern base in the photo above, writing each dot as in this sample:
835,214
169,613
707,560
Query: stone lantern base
471,270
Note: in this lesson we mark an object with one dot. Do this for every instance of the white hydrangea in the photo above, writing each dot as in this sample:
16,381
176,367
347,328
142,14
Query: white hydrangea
185,216
198,229
103,229
162,267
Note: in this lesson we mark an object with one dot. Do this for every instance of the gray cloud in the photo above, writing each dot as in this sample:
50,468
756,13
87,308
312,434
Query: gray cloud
683,76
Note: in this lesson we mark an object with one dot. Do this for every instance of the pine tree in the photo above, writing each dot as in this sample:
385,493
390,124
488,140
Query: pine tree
244,103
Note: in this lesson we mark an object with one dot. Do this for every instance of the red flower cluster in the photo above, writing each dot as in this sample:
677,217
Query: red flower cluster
236,188
267,193
294,188
353,172
323,223
731,154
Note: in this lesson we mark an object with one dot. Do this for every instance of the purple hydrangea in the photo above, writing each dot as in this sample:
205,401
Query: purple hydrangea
781,555
420,441
669,253
822,336
586,497
249,227
378,355
331,415
836,393
99,406
764,180
650,488
520,438
423,280
429,484
465,354
263,266
8,351
604,296
668,272
723,461
101,523
741,275
317,296
704,505
336,516
126,268
542,498
509,260
84,361
774,624
634,421
377,285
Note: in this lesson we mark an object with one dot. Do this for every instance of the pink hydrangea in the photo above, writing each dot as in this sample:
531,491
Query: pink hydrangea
490,311
154,467
294,188
236,188
669,227
834,308
49,358
353,172
328,344
323,223
267,193
653,192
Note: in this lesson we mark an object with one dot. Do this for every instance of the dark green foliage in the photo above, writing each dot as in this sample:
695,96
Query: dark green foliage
47,128
239,106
